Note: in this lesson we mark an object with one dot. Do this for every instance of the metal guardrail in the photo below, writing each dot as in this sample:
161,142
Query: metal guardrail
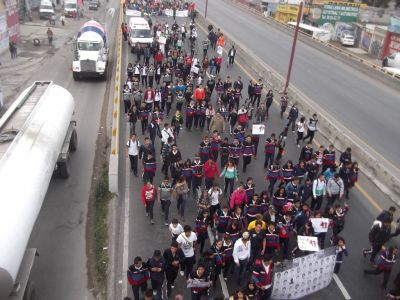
114,154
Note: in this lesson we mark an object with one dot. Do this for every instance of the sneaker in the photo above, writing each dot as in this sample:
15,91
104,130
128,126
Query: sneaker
298,145
293,131
152,222
166,223
172,286
225,278
147,214
182,273
364,252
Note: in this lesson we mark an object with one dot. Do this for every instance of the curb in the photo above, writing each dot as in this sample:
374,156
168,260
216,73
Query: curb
324,44
114,154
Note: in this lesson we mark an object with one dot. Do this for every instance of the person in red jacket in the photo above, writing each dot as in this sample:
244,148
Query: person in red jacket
262,276
238,197
149,196
158,58
211,171
199,94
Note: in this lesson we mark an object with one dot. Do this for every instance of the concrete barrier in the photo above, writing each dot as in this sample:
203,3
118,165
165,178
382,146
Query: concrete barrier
381,172
114,154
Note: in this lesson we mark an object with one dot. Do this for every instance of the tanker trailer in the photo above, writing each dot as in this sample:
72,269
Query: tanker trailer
37,134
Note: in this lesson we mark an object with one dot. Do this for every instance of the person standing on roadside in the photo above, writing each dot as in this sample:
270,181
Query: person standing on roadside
311,128
50,36
231,54
293,115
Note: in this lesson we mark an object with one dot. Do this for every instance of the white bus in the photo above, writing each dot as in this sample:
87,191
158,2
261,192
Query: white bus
315,32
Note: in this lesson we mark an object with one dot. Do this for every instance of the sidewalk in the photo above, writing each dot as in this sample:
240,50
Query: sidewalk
16,74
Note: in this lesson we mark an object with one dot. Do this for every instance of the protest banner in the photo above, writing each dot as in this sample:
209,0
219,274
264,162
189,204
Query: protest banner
320,224
307,243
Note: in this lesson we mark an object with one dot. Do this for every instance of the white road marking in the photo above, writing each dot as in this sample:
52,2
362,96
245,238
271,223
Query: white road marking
341,287
221,279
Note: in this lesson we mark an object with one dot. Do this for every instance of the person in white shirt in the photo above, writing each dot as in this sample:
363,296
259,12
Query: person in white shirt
241,254
215,194
300,130
132,151
166,133
318,190
186,243
175,228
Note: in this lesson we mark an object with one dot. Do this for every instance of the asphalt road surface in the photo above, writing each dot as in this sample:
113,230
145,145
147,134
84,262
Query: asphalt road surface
366,107
144,238
60,272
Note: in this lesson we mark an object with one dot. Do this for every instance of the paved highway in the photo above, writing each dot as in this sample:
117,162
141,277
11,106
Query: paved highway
368,108
60,272
145,238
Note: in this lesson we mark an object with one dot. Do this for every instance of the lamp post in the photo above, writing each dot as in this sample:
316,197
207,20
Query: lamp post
296,33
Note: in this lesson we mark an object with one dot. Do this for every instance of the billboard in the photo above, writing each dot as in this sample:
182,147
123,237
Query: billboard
394,24
12,20
391,44
3,32
339,11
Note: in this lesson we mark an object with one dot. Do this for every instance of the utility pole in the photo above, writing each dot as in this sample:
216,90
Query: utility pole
296,33
205,12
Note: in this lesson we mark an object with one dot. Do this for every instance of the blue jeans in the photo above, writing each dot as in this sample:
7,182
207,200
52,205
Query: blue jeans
242,269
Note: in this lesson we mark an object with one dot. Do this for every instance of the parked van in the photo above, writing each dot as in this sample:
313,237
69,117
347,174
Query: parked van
140,34
392,60
71,8
46,9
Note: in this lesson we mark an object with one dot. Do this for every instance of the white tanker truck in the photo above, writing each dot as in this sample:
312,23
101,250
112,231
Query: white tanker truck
91,52
37,134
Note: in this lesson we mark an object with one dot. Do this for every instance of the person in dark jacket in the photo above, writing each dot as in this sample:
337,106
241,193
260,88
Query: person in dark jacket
262,276
157,265
174,257
138,275
341,250
345,157
292,117
154,130
386,215
200,276
380,233
385,263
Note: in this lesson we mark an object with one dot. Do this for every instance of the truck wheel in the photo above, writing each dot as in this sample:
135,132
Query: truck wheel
29,291
64,168
76,76
73,143
104,76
